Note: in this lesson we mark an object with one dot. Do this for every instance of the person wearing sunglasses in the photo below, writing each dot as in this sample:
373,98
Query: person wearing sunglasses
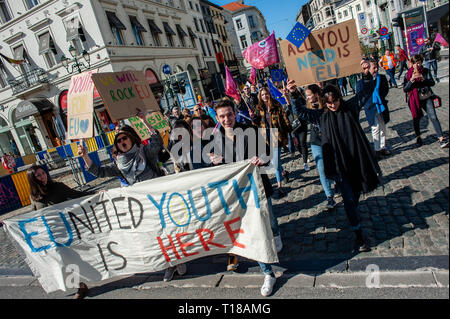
135,163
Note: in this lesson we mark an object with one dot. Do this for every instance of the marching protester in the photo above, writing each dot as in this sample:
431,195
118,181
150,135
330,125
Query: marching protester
135,163
45,192
417,85
371,92
343,85
402,60
429,51
187,115
314,103
347,157
209,108
299,132
176,115
226,115
269,114
389,63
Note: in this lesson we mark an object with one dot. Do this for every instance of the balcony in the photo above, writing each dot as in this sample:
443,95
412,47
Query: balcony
33,79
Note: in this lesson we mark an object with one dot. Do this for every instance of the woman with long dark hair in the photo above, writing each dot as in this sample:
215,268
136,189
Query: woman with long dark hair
347,156
417,84
46,192
269,114
311,114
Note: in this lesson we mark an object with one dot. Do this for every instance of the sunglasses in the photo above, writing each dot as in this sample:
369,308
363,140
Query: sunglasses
122,139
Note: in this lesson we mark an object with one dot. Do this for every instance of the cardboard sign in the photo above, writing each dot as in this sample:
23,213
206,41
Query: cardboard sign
139,126
326,54
158,122
148,227
124,93
80,106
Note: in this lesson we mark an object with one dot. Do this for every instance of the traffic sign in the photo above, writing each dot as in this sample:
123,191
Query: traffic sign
384,31
384,37
167,69
364,30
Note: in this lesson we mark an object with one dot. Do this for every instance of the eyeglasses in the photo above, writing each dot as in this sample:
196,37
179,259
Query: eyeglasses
122,139
196,110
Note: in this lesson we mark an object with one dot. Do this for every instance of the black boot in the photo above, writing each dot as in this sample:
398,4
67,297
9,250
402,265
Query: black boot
361,244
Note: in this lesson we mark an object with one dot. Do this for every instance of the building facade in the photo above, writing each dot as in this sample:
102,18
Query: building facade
249,24
104,35
323,13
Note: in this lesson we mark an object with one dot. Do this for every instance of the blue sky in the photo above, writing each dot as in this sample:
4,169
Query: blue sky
279,14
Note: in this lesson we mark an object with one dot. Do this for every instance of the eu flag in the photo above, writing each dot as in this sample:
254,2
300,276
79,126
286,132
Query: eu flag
276,94
298,35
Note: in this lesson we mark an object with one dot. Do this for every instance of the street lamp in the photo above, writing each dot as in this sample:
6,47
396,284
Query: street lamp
76,62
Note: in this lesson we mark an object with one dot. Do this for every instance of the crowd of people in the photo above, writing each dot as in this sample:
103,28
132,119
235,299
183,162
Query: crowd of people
345,160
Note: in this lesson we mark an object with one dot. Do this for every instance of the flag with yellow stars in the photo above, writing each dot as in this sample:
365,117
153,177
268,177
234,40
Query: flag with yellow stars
298,35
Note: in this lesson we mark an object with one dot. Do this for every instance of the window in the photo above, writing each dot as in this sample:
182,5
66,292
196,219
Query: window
345,13
181,35
197,8
31,3
169,34
137,30
368,3
4,12
239,24
47,49
251,22
207,46
155,31
340,15
203,47
116,27
3,82
203,27
328,12
244,43
196,25
190,5
358,7
193,37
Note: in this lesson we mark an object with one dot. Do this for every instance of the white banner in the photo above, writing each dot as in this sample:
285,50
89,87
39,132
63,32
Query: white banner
148,227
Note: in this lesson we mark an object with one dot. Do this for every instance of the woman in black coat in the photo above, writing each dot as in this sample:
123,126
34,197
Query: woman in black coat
348,158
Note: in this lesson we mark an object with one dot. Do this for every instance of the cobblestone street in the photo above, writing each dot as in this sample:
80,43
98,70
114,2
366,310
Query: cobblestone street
406,217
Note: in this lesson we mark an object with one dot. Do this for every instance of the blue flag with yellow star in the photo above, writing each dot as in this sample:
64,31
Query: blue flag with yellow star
276,94
298,35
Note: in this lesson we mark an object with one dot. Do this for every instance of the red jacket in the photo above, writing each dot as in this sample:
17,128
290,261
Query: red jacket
402,55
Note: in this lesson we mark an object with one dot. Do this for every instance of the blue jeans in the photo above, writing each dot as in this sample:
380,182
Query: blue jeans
266,268
318,158
276,162
351,201
391,73
431,64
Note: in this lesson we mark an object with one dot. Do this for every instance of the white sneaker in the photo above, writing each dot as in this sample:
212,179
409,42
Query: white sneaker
181,269
306,167
278,243
267,287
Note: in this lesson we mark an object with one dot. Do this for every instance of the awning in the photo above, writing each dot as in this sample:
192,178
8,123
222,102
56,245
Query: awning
437,13
73,29
168,29
180,31
191,33
114,20
27,108
135,23
153,27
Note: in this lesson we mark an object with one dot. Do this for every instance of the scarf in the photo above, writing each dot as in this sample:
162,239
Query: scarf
376,99
347,152
413,97
132,163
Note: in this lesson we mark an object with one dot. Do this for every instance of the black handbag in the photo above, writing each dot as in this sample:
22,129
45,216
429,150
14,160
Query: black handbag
163,155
